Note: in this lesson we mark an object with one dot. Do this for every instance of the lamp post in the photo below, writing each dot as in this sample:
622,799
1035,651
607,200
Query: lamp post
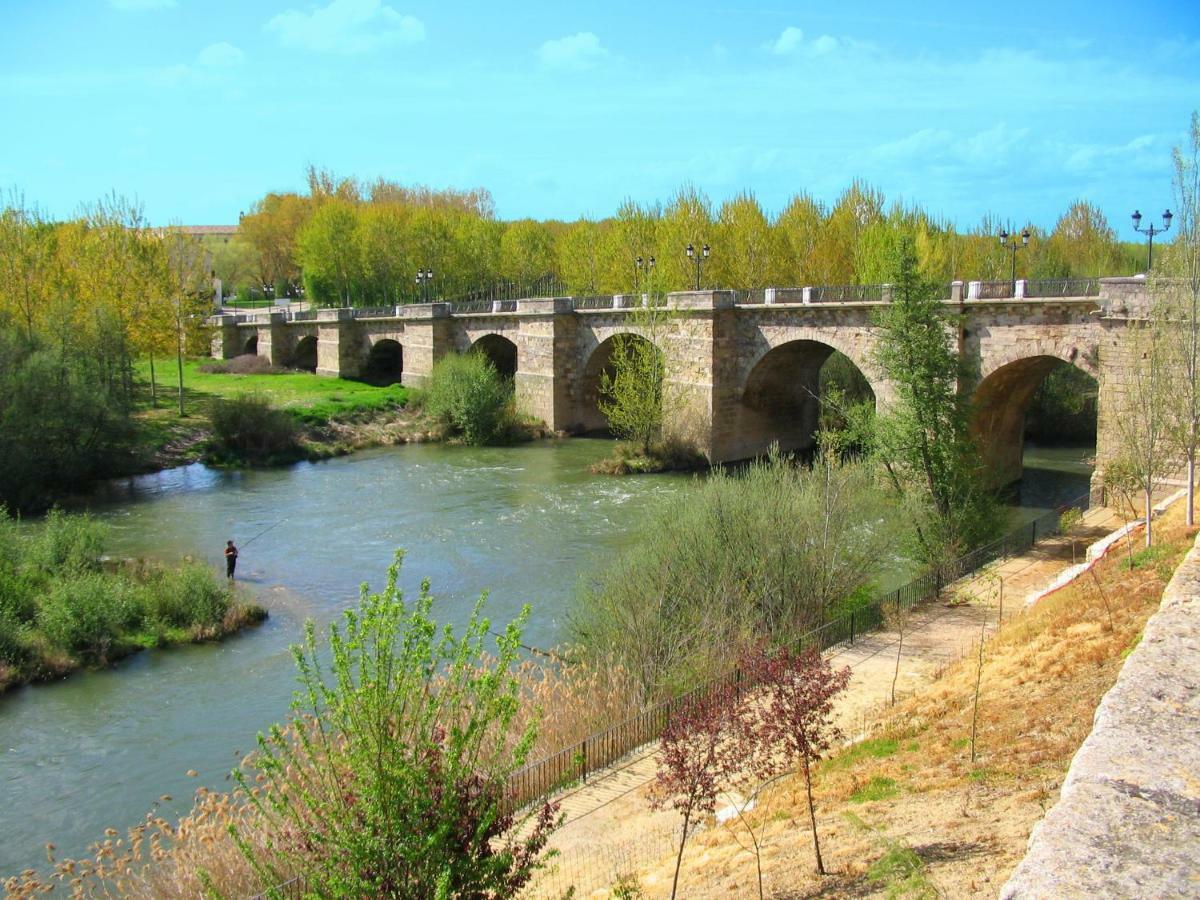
1013,247
699,259
1150,231
424,277
639,265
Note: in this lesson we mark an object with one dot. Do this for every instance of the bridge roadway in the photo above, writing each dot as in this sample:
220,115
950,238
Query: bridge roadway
742,367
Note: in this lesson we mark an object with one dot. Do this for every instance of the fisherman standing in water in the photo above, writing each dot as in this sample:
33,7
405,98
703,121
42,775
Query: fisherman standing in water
231,555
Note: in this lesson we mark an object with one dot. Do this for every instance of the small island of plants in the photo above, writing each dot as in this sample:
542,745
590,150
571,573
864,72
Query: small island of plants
64,606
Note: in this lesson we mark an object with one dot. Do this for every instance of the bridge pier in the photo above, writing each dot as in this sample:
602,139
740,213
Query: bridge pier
427,338
226,336
340,345
547,376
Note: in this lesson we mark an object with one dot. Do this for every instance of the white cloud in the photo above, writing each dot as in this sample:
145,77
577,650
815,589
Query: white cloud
576,51
825,44
140,5
788,41
346,26
221,55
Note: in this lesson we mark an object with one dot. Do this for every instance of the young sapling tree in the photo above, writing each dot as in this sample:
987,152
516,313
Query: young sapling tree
793,719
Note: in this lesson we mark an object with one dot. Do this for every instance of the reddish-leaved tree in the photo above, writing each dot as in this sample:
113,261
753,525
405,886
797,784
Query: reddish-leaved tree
792,721
695,756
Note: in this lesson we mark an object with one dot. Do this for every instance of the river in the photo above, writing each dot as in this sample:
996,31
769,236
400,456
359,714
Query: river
525,523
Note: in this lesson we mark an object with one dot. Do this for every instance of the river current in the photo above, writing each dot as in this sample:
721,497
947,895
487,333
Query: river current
524,523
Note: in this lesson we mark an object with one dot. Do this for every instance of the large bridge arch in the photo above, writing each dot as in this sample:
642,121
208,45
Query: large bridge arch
304,354
779,399
500,350
1002,398
385,361
598,363
250,345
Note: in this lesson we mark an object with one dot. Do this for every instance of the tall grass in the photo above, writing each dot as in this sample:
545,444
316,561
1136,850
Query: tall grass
764,554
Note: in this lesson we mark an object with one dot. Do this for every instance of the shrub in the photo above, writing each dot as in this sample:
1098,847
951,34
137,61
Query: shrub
391,780
83,614
470,398
246,364
248,429
188,595
763,555
66,543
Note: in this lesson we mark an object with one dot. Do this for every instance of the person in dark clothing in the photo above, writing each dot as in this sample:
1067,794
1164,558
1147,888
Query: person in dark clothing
231,555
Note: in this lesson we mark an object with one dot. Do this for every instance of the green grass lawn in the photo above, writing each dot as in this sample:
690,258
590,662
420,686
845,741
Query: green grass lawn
311,399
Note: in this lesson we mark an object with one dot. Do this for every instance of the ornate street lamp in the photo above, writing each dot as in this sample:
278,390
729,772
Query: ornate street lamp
424,277
699,259
1150,231
1013,247
639,265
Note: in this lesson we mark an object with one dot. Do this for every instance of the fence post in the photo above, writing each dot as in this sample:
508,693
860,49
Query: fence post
851,628
1033,534
583,753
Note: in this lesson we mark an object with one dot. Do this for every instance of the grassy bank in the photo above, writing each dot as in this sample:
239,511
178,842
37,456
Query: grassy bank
332,415
63,608
914,810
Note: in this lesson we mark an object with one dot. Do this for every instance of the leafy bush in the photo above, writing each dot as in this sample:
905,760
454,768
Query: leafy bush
84,613
63,415
247,429
188,595
762,555
470,398
391,780
66,543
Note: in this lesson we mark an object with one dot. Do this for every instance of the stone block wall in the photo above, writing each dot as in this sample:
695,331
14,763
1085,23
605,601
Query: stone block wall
1127,822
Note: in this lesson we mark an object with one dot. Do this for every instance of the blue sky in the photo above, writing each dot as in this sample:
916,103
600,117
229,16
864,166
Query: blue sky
198,107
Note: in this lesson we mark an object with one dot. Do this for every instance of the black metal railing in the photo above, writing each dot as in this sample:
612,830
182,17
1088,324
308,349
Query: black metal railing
1062,287
846,293
549,285
598,301
995,290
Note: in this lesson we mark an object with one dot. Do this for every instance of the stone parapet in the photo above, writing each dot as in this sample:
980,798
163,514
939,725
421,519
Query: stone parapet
1127,823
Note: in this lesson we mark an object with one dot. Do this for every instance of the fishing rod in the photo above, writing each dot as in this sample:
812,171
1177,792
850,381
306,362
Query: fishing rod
264,531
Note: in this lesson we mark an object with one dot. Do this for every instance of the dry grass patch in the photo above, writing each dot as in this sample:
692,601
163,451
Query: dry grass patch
908,812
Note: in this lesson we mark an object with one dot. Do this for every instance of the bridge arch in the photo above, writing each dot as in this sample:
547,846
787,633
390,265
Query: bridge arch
780,397
250,345
1001,401
385,362
599,363
500,350
304,356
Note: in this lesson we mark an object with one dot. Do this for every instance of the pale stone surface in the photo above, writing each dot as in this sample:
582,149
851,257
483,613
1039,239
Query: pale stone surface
1127,823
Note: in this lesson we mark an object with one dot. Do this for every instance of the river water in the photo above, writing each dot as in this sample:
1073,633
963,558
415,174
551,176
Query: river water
526,523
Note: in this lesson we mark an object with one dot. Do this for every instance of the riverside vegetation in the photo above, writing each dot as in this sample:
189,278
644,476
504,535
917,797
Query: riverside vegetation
62,608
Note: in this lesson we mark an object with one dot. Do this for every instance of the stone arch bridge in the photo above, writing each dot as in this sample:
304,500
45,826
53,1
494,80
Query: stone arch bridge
742,366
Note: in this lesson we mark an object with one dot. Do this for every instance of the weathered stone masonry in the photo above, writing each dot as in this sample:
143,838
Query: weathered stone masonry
745,374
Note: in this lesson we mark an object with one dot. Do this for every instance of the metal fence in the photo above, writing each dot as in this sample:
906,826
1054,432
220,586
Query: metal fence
846,293
546,286
1062,287
598,301
995,290
537,781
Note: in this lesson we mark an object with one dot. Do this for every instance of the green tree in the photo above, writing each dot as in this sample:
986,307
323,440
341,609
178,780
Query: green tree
526,251
392,777
329,249
748,251
922,440
632,388
799,229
